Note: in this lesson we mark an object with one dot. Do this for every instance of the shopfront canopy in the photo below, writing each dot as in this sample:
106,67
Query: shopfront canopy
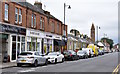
59,42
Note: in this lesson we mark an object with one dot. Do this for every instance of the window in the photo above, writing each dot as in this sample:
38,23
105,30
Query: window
58,27
43,23
6,12
40,22
20,16
64,32
52,25
32,21
16,15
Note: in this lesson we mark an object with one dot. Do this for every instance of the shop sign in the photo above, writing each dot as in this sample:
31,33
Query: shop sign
13,29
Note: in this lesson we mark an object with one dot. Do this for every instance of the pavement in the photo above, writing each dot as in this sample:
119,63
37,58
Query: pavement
7,65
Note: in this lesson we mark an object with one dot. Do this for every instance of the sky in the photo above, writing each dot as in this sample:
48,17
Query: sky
103,13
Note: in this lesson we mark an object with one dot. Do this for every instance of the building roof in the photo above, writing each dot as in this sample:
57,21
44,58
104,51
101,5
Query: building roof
36,9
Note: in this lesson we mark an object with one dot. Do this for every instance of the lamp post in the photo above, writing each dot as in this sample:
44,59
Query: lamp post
97,32
64,13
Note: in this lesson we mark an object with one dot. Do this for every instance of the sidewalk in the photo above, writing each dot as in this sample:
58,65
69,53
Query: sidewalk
7,65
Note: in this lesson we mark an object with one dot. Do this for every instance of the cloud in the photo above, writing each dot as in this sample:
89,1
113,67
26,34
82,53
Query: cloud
103,13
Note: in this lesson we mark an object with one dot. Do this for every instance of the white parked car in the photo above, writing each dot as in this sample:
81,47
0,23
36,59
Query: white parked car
31,58
54,57
89,51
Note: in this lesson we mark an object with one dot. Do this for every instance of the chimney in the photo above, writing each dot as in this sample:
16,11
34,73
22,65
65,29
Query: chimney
38,4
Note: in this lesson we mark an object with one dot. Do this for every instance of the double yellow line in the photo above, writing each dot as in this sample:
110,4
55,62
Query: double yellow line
116,70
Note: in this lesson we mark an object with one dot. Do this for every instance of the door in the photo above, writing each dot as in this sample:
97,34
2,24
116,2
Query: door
13,56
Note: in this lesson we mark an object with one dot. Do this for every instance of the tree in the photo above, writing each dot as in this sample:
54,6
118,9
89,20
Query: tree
109,41
76,32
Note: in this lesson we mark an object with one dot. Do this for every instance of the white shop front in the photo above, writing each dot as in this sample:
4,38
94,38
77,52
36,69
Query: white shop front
34,40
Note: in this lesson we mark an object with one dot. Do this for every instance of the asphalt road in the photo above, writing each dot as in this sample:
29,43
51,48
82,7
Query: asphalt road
104,63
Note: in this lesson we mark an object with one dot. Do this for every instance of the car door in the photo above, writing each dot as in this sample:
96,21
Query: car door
42,58
59,57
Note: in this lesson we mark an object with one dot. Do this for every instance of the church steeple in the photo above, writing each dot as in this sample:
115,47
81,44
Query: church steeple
93,32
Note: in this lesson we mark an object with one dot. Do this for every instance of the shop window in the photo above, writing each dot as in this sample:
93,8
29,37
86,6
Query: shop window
13,38
23,44
18,38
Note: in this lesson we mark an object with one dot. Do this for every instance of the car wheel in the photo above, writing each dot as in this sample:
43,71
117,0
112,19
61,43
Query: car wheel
18,64
63,59
55,61
46,62
36,63
72,58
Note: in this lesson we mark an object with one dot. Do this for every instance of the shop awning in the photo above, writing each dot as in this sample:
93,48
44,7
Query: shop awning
59,42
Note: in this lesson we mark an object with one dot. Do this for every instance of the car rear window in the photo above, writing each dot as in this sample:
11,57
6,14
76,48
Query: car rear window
26,53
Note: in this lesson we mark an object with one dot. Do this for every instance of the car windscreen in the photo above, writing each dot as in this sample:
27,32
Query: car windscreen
25,53
80,52
52,53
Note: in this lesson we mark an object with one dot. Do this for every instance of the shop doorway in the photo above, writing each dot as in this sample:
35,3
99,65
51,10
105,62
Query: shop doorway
13,48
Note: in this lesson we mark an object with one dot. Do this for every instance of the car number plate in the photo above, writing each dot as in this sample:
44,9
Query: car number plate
23,60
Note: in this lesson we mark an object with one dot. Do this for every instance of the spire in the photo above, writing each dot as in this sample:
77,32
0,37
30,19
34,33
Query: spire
93,27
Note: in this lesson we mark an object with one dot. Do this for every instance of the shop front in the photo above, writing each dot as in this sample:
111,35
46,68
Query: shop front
48,43
34,40
13,41
58,43
64,47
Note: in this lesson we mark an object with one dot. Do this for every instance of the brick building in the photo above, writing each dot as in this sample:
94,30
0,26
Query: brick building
27,27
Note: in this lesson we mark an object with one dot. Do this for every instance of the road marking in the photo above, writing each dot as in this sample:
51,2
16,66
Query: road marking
116,70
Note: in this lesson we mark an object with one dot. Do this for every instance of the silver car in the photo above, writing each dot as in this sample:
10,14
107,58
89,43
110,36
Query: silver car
31,58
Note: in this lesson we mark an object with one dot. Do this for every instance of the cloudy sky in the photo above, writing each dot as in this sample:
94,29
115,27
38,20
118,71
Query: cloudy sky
103,13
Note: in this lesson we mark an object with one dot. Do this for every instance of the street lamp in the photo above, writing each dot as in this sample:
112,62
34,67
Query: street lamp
64,13
97,32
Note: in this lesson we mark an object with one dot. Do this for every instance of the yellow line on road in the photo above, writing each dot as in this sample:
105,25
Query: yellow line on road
116,70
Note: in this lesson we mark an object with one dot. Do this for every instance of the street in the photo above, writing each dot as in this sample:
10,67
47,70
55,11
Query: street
104,63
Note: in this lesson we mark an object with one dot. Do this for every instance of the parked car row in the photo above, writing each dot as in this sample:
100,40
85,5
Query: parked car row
35,58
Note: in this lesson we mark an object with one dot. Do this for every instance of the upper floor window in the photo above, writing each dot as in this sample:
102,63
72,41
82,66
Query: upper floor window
52,25
58,27
16,15
6,12
20,16
43,23
64,32
40,22
32,20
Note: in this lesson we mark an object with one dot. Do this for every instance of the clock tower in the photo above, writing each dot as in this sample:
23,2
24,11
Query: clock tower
93,32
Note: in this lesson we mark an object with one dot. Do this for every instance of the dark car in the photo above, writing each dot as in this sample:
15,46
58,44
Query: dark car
82,54
70,55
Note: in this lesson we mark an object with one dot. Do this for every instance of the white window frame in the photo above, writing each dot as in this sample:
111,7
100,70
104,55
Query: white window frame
40,22
20,16
32,23
16,13
6,10
43,23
